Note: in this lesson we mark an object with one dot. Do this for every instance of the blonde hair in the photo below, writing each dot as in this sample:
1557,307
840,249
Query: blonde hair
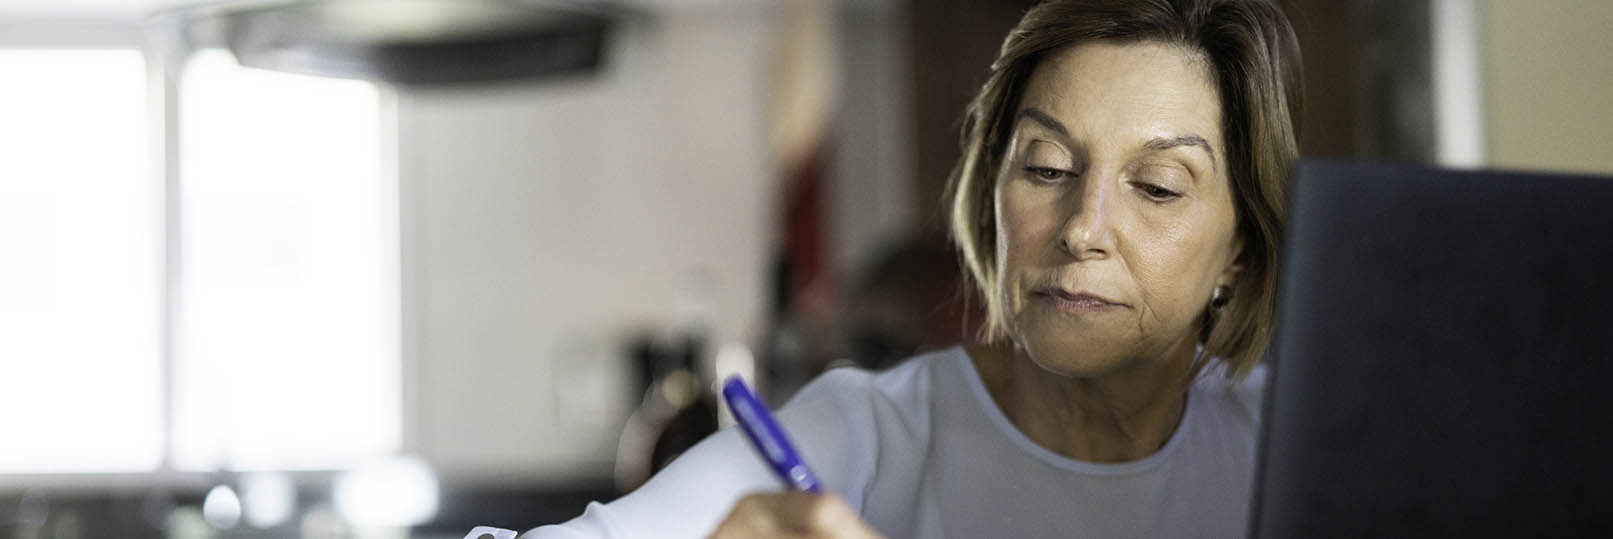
1254,58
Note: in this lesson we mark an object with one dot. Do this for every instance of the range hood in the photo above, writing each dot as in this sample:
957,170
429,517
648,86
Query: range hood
418,41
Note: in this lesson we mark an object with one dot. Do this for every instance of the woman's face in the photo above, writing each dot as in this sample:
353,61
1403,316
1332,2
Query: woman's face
1115,219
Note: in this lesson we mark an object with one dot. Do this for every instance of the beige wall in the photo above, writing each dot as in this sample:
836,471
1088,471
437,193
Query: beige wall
543,222
1548,76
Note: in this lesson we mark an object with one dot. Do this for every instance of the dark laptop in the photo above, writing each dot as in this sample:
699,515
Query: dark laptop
1443,365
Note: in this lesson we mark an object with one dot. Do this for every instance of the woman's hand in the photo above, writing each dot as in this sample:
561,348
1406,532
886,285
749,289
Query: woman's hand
793,514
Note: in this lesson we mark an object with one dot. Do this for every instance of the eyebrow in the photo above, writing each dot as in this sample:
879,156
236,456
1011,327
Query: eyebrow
1158,144
1046,120
1155,144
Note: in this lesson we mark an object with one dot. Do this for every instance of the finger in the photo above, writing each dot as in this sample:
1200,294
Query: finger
800,511
821,516
754,515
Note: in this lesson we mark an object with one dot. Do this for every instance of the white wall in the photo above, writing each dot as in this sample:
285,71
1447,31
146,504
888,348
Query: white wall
1549,84
544,220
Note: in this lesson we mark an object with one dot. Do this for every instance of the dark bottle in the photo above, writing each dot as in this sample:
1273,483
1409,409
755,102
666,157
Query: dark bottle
678,409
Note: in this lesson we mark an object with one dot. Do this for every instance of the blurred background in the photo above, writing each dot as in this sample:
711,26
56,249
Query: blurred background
396,268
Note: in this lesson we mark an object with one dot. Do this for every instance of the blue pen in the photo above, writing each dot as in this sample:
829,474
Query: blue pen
768,438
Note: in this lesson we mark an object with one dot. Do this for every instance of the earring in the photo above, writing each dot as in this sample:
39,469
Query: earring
1220,296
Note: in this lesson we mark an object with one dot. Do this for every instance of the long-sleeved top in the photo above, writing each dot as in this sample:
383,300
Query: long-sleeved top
922,450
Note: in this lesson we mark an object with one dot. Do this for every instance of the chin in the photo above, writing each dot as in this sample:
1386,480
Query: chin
1073,352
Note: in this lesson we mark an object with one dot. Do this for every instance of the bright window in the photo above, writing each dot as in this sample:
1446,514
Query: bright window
80,265
288,335
285,339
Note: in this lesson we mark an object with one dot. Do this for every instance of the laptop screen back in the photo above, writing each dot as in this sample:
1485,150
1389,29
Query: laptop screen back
1443,363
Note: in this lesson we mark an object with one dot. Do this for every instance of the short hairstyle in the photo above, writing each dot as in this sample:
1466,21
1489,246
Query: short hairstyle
1252,54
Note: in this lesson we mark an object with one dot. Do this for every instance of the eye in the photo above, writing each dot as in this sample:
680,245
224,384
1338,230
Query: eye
1047,174
1157,193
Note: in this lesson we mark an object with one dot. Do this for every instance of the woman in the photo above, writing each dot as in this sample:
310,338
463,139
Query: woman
1118,206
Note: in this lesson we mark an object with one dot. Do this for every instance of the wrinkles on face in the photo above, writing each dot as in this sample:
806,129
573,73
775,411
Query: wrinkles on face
1111,185
1162,305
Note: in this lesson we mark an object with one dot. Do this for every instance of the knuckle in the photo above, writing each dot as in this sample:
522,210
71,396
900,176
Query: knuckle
745,519
752,502
819,512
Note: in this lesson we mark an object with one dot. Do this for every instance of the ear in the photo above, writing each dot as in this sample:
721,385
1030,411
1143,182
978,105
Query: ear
1229,274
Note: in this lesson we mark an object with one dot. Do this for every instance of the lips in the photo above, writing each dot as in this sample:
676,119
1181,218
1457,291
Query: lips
1077,302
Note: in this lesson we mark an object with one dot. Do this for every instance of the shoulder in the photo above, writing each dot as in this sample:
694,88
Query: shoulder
853,416
905,389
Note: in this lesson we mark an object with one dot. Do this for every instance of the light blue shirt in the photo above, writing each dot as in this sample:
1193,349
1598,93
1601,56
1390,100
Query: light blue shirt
922,450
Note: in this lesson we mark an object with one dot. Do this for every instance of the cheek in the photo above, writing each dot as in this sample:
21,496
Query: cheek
1026,227
1028,218
1175,265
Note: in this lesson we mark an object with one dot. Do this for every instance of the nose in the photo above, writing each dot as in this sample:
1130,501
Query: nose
1087,233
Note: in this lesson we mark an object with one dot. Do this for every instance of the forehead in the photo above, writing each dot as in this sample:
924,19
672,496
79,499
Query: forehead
1127,93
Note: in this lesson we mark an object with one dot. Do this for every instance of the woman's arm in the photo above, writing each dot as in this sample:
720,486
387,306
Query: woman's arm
828,420
686,499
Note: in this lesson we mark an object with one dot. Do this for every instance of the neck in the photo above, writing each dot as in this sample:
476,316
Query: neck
1118,416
